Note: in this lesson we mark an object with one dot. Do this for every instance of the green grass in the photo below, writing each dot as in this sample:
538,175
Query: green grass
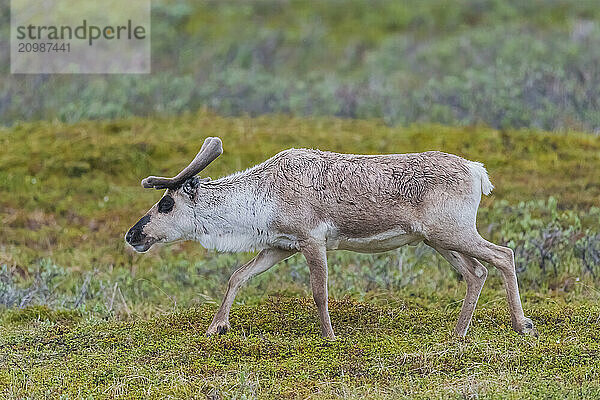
396,349
84,315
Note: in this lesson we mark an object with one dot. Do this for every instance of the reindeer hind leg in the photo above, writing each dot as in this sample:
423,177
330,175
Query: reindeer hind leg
474,274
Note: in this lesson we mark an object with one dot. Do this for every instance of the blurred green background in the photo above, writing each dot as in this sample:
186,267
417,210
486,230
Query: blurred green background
503,63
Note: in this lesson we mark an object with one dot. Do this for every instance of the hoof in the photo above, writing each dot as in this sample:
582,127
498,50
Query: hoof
526,327
219,328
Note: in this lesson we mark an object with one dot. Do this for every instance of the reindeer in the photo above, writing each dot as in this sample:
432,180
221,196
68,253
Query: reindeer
311,201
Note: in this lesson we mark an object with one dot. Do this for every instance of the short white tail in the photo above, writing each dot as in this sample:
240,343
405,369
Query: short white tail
479,170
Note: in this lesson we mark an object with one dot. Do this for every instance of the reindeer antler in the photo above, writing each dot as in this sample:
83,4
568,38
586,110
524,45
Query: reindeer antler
211,149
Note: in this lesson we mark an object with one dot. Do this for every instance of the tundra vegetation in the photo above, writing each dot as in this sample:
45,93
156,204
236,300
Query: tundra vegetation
83,315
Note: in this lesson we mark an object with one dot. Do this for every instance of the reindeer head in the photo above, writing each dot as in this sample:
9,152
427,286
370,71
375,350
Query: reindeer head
172,218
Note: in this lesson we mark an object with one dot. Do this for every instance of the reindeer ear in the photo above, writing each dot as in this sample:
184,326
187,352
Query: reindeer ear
190,186
191,183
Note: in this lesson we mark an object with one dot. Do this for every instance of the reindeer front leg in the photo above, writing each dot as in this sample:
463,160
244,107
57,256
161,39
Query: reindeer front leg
262,262
316,257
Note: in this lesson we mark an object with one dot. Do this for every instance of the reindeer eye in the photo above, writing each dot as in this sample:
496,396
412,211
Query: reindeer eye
166,204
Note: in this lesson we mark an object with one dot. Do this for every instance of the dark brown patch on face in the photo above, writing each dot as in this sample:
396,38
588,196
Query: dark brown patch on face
165,205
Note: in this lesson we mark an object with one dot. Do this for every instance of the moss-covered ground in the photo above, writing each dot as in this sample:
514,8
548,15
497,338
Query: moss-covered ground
397,349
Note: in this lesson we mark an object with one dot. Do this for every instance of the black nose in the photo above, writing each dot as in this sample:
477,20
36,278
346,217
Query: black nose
131,234
136,234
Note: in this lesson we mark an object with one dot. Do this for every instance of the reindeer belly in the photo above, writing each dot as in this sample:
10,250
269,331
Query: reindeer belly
378,243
